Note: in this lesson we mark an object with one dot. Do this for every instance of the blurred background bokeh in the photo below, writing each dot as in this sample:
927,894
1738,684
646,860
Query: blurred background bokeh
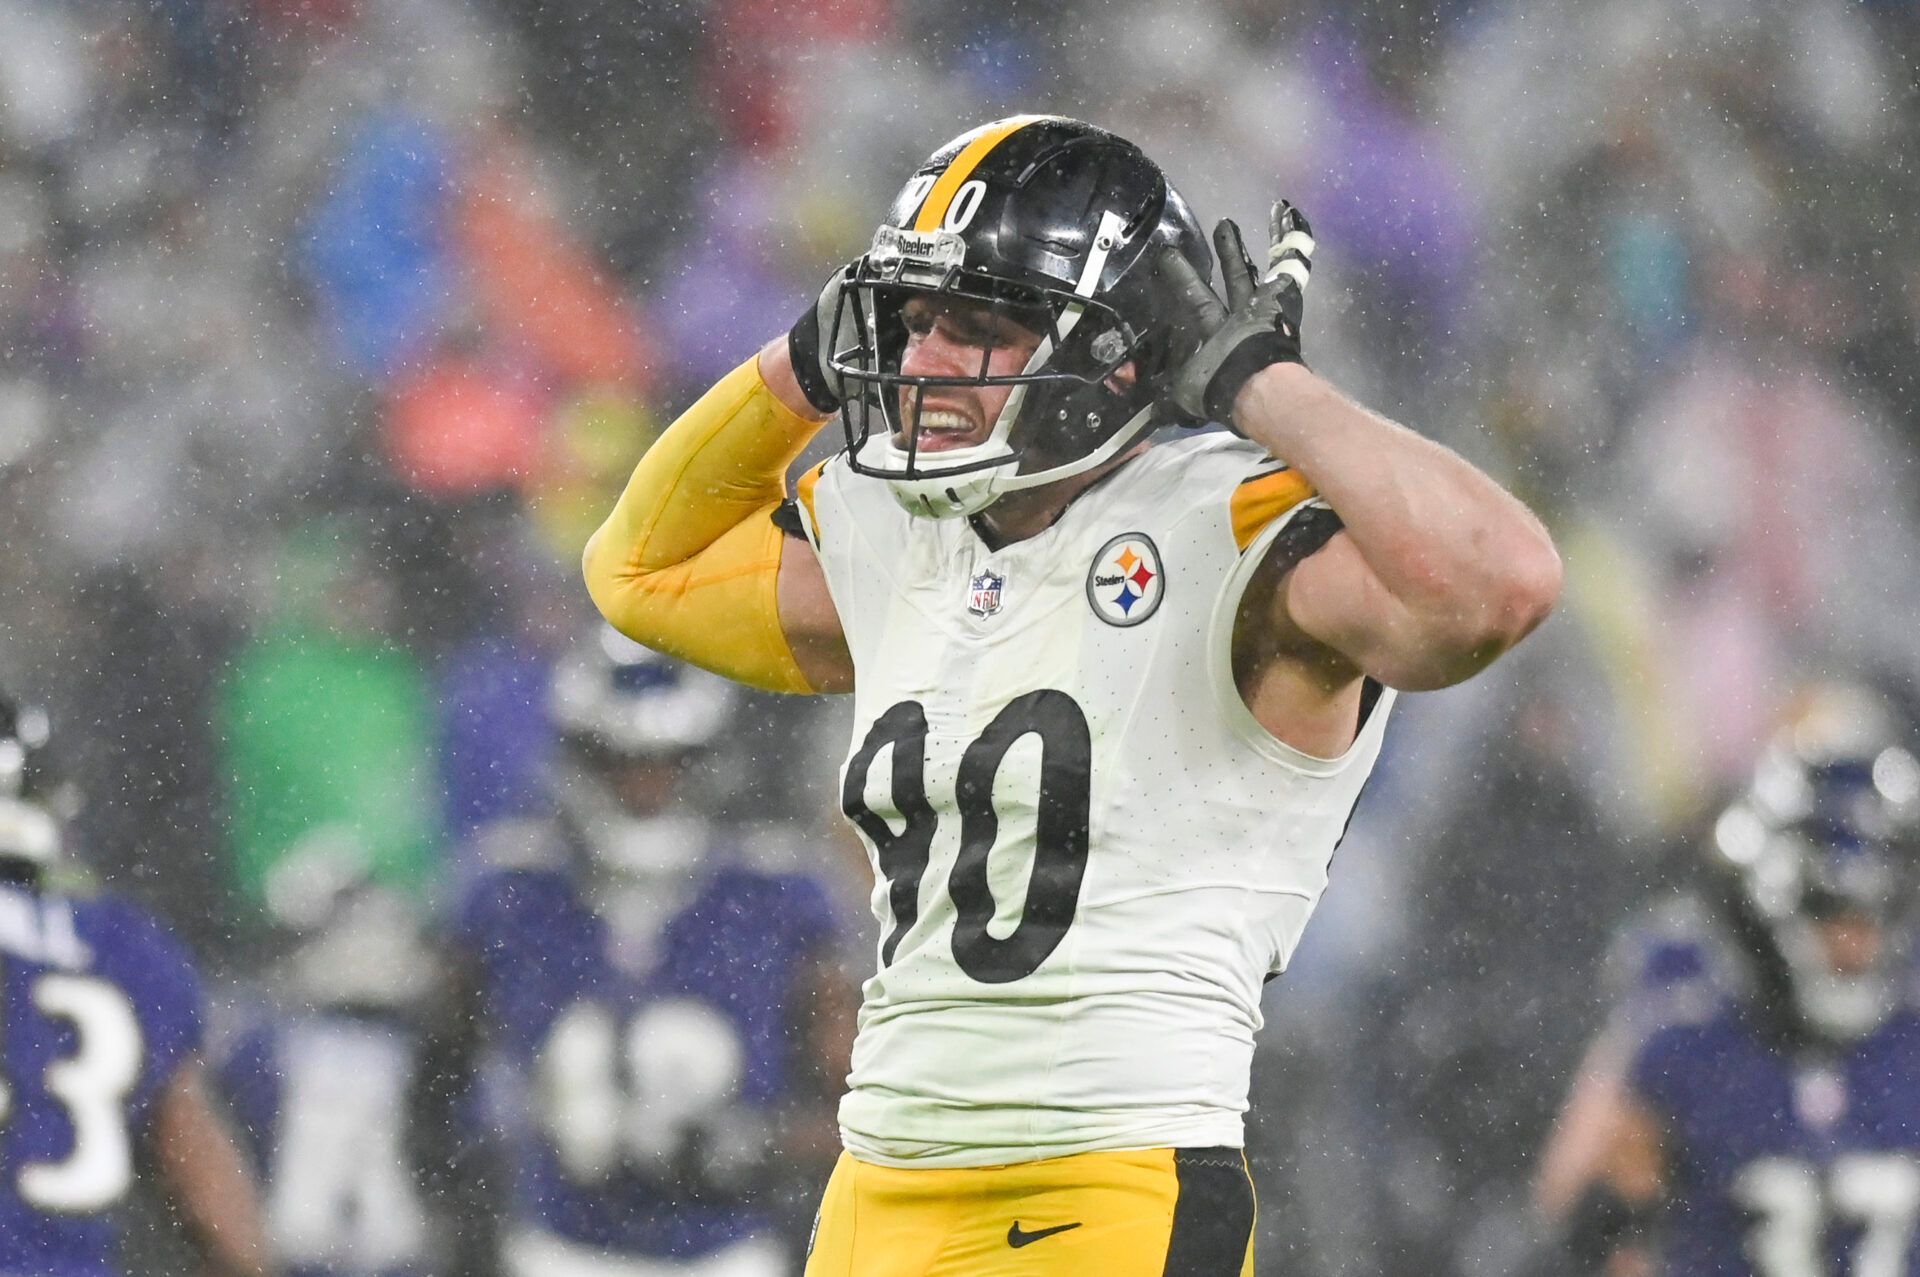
329,329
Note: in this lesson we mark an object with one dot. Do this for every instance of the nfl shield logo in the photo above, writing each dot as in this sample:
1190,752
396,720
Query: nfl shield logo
983,595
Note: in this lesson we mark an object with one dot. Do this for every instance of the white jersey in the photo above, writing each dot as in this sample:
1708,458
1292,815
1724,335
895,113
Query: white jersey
1088,854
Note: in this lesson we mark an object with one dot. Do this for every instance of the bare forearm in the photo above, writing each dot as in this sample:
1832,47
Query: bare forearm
206,1177
1444,539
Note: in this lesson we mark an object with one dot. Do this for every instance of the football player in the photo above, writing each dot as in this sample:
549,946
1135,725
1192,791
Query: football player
101,1079
320,1083
1757,1107
647,995
1114,703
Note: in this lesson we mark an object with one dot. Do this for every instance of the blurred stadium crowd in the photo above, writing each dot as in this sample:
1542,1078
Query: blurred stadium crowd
330,328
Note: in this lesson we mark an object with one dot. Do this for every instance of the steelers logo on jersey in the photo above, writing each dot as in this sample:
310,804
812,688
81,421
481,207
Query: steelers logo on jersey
1126,582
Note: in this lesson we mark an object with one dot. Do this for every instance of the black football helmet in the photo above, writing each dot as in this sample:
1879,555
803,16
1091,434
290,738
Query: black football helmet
1052,223
34,803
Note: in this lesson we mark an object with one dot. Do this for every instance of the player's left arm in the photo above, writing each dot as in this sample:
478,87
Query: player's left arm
1575,1155
822,1027
1438,569
1609,1226
204,1174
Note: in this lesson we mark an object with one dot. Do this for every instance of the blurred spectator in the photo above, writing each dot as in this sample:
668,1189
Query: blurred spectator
496,746
1479,1024
537,286
591,444
318,1076
377,250
465,421
326,725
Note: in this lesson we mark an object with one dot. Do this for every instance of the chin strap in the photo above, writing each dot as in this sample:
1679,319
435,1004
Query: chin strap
1125,437
953,496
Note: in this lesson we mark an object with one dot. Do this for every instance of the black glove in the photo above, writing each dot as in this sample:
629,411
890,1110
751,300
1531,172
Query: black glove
810,354
722,1156
1258,324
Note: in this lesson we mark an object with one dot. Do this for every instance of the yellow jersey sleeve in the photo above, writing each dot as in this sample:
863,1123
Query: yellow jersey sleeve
1264,497
688,563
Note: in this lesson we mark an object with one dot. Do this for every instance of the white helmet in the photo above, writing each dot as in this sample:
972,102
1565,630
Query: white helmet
617,706
34,803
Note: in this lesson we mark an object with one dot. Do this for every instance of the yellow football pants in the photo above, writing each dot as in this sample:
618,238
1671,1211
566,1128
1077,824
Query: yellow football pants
1154,1213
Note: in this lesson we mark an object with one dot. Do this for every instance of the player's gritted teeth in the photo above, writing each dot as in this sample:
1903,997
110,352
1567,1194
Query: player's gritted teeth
957,338
941,430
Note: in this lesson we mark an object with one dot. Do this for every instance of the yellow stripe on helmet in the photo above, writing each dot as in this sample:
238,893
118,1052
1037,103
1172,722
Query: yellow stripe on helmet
933,211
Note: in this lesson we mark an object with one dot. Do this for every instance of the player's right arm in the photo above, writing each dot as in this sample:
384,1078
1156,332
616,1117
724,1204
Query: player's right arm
807,615
690,562
207,1179
1603,1175
461,1172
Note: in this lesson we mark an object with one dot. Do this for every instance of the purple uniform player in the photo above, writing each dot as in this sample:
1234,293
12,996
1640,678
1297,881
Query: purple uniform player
654,1033
1757,1109
101,1009
100,1078
652,1091
1786,1163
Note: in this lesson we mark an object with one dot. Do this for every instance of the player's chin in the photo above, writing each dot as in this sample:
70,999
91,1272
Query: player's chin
945,441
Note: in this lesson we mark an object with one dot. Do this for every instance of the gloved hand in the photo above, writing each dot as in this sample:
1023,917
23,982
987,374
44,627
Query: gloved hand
723,1155
810,353
1257,325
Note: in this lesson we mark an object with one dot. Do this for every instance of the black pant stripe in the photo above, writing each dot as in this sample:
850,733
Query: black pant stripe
1213,1215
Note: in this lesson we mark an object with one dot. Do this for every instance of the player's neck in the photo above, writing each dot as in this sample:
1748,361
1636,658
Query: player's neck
1031,511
